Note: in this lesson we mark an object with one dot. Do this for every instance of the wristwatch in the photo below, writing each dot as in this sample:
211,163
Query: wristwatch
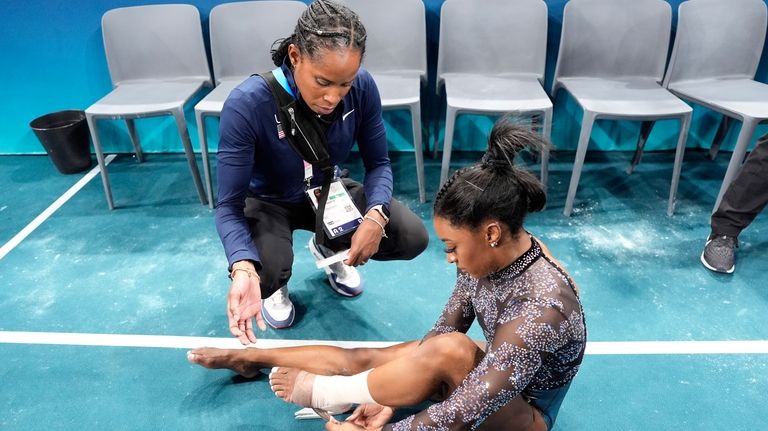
383,210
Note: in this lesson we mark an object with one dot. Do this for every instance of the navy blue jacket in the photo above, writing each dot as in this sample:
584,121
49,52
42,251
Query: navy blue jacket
253,159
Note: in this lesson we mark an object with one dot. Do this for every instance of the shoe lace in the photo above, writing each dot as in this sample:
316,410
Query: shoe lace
277,297
724,241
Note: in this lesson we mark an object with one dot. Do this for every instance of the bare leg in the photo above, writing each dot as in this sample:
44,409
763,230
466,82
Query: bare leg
440,362
517,415
416,374
443,360
406,379
323,360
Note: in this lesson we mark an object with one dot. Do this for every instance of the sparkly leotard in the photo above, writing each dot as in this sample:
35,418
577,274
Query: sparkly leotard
534,327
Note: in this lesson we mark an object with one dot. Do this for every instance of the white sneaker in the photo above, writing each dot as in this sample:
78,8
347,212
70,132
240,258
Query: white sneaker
344,279
277,310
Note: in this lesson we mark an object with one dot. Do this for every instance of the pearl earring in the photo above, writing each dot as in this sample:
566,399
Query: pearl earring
494,244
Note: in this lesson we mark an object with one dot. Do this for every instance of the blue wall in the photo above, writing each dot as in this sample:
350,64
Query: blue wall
53,60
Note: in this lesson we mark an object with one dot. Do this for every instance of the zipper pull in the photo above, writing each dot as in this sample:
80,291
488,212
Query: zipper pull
293,121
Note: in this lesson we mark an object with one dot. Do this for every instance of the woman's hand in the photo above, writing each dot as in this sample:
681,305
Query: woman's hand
366,239
343,426
244,302
371,416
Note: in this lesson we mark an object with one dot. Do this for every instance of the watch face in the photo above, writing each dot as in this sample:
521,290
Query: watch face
385,210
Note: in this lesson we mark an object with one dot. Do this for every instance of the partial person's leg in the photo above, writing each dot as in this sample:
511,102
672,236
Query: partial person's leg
270,227
406,235
744,199
410,379
320,360
746,196
516,415
438,363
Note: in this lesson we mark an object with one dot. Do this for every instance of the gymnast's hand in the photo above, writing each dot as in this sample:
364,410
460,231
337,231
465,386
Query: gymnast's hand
367,417
244,302
365,240
345,426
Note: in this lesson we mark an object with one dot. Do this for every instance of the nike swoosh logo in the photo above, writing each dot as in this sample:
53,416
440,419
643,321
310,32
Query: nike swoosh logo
344,117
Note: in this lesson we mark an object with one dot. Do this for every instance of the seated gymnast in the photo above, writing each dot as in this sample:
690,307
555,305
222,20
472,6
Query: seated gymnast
525,302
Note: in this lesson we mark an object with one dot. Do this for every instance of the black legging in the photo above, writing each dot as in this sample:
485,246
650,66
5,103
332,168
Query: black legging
272,226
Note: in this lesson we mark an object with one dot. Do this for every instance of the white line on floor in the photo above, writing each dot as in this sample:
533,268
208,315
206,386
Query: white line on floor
58,203
181,342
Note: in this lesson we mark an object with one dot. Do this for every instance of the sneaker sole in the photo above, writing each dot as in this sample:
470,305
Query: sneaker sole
277,324
713,269
332,277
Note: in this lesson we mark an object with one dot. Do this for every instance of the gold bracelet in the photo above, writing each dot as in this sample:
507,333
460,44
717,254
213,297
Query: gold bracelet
383,232
247,271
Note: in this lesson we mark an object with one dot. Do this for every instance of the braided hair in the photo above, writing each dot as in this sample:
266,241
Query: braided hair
325,24
494,188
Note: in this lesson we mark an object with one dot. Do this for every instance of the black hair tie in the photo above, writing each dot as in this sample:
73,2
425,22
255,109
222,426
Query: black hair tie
488,162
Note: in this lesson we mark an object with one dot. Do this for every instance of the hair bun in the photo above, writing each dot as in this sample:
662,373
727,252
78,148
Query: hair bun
506,140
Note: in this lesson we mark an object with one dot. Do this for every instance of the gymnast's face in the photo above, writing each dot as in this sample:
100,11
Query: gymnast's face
467,248
325,78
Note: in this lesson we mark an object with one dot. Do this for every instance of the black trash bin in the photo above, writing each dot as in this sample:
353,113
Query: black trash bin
66,139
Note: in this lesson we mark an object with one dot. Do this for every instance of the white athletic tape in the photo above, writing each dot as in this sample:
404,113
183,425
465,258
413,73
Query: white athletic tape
338,257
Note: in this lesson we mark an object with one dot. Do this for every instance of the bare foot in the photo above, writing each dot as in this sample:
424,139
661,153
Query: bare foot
292,385
234,360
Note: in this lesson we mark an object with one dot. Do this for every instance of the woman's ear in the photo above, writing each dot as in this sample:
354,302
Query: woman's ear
493,234
293,55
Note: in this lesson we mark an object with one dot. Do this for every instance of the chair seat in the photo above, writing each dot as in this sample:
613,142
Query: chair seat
400,88
142,98
743,97
213,102
495,93
625,98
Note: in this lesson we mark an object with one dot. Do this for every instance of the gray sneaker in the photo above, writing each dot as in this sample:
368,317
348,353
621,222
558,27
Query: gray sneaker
719,253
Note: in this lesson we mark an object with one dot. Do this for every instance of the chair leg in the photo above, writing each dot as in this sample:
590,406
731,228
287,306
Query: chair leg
184,134
645,130
722,130
737,158
587,122
450,118
436,139
536,126
203,137
418,149
134,139
546,131
100,158
685,123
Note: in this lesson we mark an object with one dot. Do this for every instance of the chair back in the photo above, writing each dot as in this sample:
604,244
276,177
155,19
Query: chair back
397,35
717,39
614,39
494,37
156,42
242,35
